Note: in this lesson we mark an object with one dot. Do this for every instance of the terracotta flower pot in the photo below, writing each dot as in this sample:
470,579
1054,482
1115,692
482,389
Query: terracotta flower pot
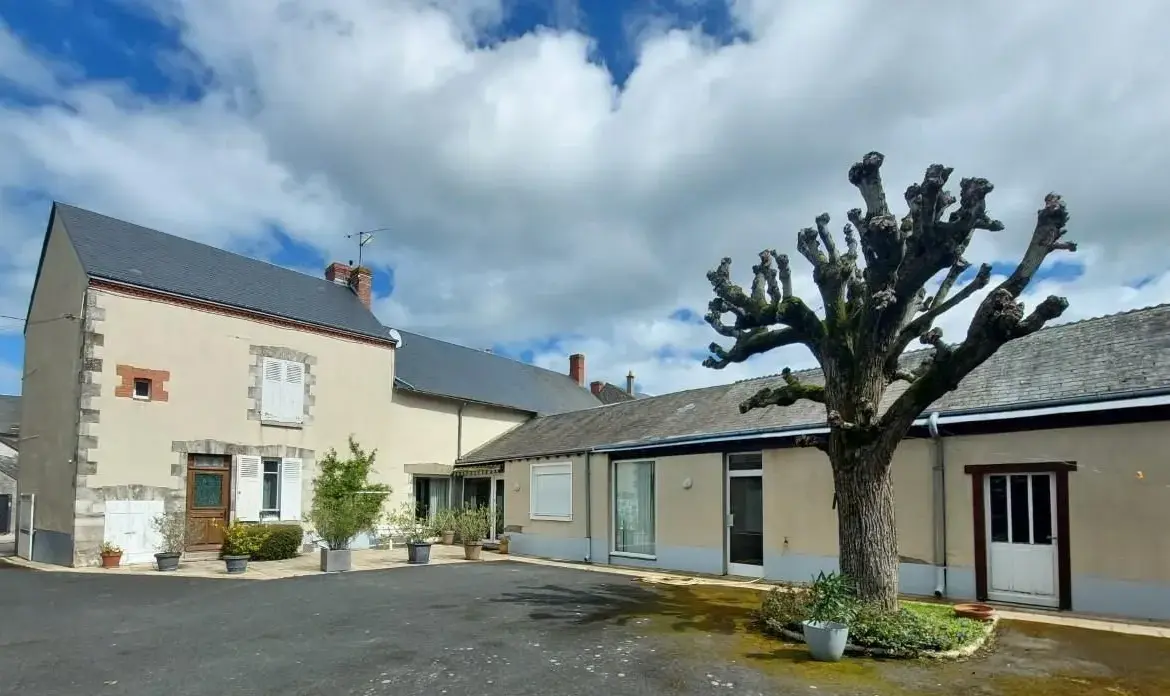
979,612
448,538
504,545
111,560
471,552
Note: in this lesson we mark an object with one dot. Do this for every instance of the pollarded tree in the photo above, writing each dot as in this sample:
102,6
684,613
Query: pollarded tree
871,316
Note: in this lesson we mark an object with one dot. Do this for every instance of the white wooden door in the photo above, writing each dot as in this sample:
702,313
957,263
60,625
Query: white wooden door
1022,542
128,524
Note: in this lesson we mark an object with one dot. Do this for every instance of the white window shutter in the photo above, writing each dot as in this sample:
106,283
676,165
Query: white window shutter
294,384
290,488
272,390
249,487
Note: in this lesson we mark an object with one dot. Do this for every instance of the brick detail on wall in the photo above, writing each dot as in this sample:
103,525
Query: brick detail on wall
158,381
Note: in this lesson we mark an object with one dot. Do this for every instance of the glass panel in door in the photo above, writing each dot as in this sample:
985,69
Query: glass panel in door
746,536
1021,552
499,511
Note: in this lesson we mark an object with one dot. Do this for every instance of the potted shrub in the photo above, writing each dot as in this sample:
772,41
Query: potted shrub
174,528
240,543
445,525
418,532
504,541
345,503
111,555
832,605
473,524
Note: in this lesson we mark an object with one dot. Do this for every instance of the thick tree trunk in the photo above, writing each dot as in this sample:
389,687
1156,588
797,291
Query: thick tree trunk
867,537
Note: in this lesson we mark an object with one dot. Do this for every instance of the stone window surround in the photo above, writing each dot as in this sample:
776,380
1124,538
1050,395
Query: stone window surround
157,378
256,382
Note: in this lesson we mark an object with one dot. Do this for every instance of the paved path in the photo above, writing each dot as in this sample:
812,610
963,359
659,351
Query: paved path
484,629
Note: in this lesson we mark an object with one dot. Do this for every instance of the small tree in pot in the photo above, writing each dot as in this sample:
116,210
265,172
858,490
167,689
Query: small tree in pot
445,525
473,524
345,503
419,531
832,606
175,529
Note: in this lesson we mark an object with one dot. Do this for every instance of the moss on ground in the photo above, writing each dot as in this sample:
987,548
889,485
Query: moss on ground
916,629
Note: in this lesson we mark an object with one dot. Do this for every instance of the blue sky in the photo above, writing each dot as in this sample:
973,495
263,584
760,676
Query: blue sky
587,163
118,41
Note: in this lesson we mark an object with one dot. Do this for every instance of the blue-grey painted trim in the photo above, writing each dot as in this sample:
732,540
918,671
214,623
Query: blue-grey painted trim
691,559
913,578
599,550
55,548
555,548
1137,600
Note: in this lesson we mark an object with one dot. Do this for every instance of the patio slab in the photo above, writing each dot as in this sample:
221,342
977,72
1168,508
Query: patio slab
309,563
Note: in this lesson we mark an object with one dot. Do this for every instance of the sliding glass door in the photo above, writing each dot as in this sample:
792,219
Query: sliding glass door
633,505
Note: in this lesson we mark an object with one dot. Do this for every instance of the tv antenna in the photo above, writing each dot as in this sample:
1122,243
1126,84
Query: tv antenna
364,238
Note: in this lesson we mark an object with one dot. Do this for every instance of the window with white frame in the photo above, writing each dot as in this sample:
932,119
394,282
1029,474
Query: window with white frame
551,492
633,508
270,491
283,394
267,489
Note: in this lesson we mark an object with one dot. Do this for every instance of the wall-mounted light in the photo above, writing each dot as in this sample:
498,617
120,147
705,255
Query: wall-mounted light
687,483
516,488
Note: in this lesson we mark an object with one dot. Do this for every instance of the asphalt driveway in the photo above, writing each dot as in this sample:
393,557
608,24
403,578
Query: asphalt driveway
490,629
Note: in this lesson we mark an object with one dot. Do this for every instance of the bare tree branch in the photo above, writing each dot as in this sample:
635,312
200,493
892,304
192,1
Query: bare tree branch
793,390
771,304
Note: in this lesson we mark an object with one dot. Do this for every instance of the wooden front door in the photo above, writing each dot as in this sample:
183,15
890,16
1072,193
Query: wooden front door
209,484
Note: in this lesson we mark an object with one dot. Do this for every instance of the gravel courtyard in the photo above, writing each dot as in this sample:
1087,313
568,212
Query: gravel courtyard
488,629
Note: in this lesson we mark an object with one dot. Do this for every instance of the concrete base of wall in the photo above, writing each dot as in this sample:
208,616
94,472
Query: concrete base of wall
55,548
573,549
685,558
1138,600
913,578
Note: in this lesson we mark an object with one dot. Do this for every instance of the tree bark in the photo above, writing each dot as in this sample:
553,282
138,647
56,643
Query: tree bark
867,536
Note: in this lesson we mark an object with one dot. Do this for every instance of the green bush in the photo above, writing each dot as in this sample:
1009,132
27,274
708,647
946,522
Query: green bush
279,541
915,628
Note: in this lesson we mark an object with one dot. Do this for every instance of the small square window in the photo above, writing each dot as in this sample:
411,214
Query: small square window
142,389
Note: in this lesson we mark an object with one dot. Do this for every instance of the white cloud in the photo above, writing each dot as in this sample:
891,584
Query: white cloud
528,196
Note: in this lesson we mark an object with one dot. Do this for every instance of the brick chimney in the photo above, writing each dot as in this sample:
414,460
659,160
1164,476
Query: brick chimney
630,383
596,386
338,272
361,281
577,368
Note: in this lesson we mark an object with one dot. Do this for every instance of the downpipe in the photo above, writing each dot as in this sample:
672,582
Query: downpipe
940,508
588,507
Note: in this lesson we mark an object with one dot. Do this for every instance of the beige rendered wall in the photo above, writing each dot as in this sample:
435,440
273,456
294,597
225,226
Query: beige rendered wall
689,517
798,501
49,396
426,430
1119,496
208,357
517,501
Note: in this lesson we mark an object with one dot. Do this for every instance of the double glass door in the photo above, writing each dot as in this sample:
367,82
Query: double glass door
487,492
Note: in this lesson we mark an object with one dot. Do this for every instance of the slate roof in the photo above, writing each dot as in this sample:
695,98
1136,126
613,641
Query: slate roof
9,467
613,394
123,252
432,366
1116,355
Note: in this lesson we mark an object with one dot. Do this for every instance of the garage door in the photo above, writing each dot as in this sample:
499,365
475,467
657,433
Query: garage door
128,525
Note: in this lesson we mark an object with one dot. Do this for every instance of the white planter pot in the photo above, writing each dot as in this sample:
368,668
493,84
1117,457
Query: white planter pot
826,639
335,561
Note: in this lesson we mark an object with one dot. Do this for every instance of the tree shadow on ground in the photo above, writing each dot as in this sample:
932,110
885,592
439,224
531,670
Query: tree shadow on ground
703,608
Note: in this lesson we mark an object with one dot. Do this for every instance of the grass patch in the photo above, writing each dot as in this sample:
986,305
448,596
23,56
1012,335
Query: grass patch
916,628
